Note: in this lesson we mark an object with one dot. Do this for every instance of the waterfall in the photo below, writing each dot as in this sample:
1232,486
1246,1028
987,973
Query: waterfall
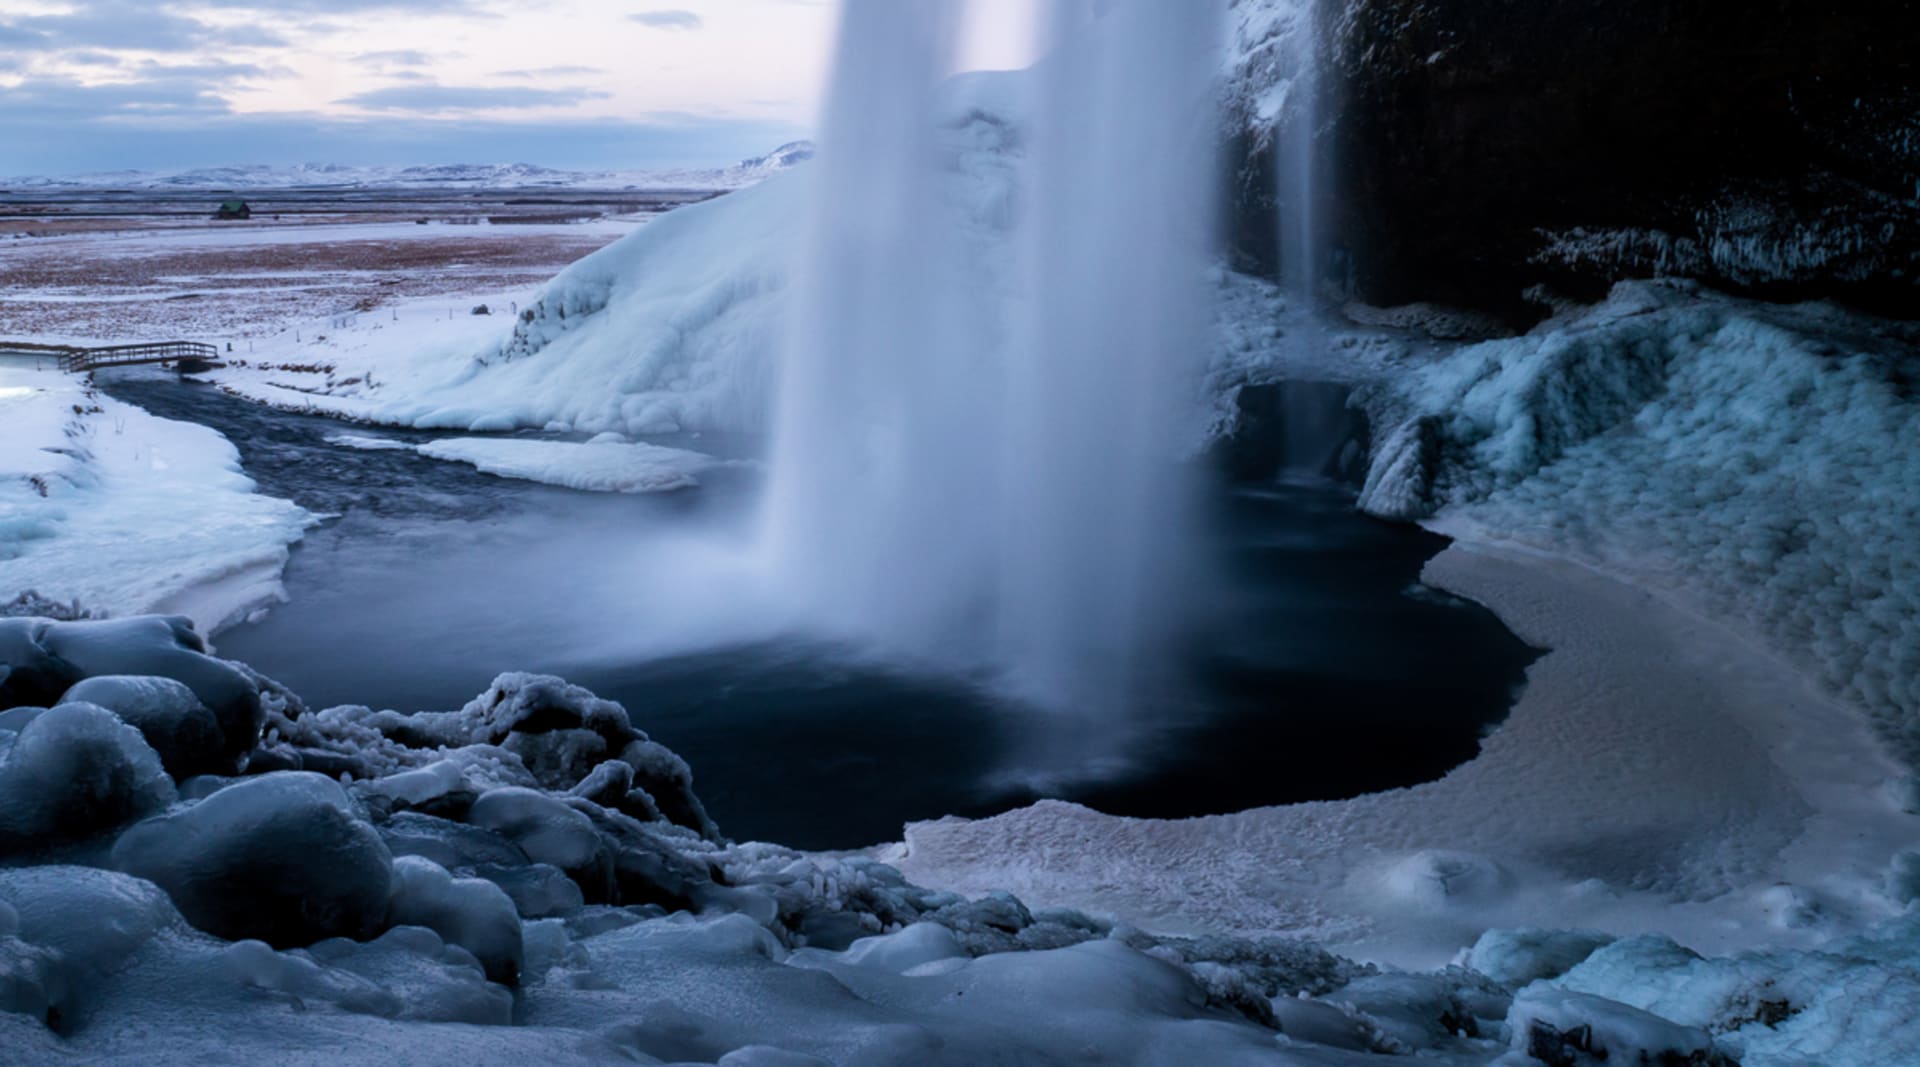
1298,158
976,464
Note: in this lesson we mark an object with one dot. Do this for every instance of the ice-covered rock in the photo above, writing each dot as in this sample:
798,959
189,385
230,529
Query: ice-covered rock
1752,459
1515,958
72,772
470,912
408,973
1562,1029
41,660
180,729
282,858
63,930
563,736
550,832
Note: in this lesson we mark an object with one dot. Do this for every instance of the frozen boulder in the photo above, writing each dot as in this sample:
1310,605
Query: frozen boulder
548,831
69,928
40,660
538,890
1409,1012
450,844
283,858
565,736
1563,1029
1515,958
470,912
73,772
406,973
180,729
29,673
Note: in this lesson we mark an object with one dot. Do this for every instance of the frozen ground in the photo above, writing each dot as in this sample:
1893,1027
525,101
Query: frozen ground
105,504
244,283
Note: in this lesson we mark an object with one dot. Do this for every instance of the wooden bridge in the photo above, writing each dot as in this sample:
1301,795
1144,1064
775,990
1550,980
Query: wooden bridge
77,359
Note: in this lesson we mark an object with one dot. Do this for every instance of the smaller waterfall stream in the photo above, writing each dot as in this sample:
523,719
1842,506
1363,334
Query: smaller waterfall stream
1302,254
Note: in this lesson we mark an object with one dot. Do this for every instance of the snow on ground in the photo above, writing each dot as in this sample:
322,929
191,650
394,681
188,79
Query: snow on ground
641,337
236,285
104,503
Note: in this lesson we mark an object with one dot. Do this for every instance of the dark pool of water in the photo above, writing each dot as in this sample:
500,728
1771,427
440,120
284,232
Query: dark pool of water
1325,673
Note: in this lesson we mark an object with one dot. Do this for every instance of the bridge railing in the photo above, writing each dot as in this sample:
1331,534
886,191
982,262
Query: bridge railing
86,359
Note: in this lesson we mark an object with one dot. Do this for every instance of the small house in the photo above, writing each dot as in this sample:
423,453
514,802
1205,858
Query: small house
233,209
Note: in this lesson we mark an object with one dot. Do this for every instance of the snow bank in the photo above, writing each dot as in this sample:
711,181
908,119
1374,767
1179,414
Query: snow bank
107,505
595,466
1757,459
669,328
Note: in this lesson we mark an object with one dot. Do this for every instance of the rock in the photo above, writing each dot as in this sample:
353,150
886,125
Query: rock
71,927
181,729
73,772
40,660
1470,150
1562,1029
549,832
470,912
1301,426
282,858
538,890
1517,958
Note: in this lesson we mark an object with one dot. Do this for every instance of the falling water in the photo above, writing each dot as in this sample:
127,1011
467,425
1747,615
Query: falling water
977,464
1298,162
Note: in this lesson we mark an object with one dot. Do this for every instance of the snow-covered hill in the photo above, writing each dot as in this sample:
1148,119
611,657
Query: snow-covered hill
434,176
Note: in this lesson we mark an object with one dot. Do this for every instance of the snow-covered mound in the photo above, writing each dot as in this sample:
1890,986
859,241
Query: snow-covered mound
106,505
1760,458
673,327
531,875
609,464
428,176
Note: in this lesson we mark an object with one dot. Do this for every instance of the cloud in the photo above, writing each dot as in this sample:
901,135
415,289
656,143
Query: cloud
550,72
399,57
63,99
345,7
668,19
129,26
441,99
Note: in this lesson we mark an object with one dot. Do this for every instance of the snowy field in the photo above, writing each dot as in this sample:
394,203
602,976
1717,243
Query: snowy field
227,285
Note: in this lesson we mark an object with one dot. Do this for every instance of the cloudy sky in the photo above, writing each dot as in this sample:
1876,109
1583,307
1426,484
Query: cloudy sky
91,85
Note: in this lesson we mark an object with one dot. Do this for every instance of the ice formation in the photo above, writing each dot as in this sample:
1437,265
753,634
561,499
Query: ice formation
531,875
1756,458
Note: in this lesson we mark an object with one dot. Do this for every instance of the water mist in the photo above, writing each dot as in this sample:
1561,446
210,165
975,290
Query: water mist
977,459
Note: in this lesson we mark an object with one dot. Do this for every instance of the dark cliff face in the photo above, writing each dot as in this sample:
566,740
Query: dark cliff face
1478,147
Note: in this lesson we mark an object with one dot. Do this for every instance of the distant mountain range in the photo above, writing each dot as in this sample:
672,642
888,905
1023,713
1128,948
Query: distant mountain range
438,176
